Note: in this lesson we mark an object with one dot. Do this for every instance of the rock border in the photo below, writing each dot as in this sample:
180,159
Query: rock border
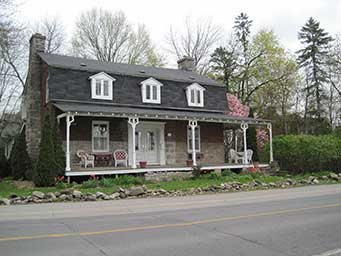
73,195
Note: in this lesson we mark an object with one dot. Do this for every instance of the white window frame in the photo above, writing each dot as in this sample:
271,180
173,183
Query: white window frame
102,77
189,137
152,83
198,90
92,135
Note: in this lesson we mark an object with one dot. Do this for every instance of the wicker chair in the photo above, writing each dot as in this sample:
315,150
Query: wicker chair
85,158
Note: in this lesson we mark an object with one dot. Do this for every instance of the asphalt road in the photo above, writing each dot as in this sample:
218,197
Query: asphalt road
299,221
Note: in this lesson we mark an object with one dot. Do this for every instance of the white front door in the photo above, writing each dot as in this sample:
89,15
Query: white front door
149,143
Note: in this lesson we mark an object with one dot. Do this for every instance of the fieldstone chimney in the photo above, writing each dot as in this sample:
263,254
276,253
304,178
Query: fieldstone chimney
186,63
32,101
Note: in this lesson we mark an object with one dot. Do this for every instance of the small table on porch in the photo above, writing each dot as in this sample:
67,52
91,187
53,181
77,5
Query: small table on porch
103,158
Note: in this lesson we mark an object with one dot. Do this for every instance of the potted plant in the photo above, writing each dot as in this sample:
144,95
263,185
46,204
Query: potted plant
143,164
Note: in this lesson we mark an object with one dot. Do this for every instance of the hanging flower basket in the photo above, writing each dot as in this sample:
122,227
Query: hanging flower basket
143,164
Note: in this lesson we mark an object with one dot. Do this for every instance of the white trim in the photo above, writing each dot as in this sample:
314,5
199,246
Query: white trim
152,83
159,169
197,89
102,76
92,135
189,150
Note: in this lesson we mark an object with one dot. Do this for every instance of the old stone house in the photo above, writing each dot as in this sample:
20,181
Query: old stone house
159,116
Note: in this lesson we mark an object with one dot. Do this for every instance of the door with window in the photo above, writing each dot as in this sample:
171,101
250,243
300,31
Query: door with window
147,145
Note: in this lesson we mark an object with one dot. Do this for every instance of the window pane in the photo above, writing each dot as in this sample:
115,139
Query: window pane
98,87
105,88
148,92
198,97
100,135
154,93
197,138
192,96
150,140
137,140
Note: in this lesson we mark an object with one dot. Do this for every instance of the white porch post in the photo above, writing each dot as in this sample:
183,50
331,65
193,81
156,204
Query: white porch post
244,127
269,126
193,124
133,121
69,120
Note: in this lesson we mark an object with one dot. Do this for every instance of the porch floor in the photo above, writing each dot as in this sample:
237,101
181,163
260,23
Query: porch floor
111,170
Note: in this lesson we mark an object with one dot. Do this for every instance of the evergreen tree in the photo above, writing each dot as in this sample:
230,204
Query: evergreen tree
313,57
59,153
242,32
251,138
224,63
5,168
46,167
20,161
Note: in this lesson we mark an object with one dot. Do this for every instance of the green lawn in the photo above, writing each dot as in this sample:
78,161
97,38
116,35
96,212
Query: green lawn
109,186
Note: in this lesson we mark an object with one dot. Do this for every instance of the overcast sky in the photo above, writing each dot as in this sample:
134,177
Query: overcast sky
285,17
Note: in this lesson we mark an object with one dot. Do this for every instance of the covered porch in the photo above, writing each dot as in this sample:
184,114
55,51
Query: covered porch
165,139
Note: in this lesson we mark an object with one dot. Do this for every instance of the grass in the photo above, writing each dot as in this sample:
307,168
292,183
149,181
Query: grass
109,186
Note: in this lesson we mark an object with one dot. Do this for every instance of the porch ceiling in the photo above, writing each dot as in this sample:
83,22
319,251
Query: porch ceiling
84,109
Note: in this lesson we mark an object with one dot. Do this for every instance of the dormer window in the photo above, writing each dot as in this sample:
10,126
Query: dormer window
151,91
195,95
102,86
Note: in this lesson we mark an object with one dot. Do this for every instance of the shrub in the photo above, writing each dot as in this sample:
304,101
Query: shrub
307,153
92,183
20,161
46,167
128,180
227,173
106,182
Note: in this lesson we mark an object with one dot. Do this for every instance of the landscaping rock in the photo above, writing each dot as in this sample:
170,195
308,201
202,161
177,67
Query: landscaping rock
324,177
62,197
50,196
68,191
57,194
38,194
91,198
5,201
162,191
123,195
272,184
315,181
106,197
76,194
100,195
334,176
114,195
136,191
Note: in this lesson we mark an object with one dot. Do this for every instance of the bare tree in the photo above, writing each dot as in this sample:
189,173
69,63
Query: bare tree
108,36
12,62
198,41
54,30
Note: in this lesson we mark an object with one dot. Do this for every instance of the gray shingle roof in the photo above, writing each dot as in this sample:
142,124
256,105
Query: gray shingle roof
82,64
68,80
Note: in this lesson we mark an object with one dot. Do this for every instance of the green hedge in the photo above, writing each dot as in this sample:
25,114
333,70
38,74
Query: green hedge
307,153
